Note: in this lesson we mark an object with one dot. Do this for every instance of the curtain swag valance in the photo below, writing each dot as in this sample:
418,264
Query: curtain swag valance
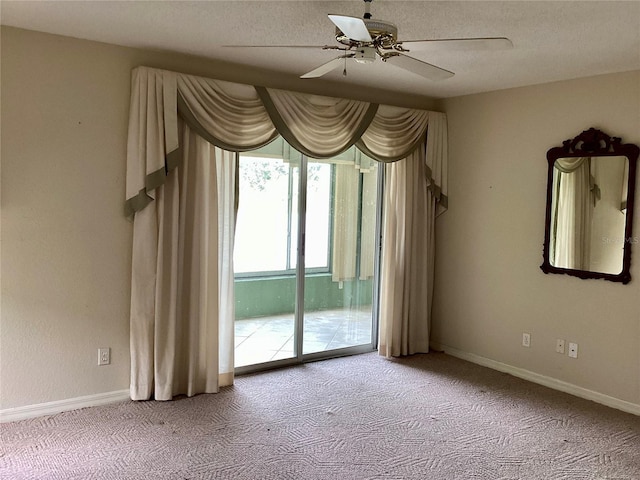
238,117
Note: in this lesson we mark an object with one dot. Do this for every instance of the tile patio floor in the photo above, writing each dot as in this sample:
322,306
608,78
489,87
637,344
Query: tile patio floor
259,340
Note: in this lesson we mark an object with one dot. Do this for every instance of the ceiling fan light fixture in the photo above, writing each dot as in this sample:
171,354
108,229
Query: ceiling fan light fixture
365,55
383,34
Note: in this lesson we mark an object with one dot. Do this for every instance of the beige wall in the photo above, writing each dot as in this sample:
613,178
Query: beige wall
489,288
66,245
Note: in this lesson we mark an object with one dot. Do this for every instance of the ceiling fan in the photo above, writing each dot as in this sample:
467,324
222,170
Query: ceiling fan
365,39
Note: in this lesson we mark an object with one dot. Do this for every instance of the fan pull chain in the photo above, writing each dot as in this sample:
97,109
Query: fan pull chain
344,72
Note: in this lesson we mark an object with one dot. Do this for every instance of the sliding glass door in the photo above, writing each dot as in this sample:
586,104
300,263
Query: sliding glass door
305,256
265,260
340,238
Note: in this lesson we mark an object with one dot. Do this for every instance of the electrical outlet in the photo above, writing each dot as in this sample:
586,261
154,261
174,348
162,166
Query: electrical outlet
526,340
573,350
104,356
560,345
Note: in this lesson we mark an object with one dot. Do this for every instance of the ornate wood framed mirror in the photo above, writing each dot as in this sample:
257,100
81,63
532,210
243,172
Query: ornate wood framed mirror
590,198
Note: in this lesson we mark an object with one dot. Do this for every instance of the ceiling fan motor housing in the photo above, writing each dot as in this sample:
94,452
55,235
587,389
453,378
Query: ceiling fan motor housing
383,33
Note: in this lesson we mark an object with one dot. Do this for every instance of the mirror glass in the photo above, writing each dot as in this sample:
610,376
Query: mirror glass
589,207
589,216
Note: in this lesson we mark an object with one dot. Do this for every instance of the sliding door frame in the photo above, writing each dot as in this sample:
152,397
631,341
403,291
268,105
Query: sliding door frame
298,334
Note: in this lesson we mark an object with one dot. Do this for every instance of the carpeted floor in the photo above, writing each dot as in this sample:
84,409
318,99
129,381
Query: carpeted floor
363,417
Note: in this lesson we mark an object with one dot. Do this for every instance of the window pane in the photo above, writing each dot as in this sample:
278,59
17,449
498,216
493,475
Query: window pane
262,225
293,235
318,215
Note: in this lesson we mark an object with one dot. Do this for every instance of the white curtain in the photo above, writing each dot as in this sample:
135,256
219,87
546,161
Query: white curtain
229,115
414,195
572,211
368,228
407,259
318,126
395,132
180,191
344,244
182,308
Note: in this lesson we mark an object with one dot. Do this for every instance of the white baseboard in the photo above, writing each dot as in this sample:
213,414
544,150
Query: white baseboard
50,408
541,379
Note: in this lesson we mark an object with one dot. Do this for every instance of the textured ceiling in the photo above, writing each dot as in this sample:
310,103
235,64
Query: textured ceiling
553,40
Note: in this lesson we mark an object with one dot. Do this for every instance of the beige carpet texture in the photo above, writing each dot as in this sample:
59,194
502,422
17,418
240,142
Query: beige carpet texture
362,417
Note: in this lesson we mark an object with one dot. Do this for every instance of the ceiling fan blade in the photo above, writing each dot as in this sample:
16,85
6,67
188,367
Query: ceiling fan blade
450,44
419,67
352,27
317,47
326,67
